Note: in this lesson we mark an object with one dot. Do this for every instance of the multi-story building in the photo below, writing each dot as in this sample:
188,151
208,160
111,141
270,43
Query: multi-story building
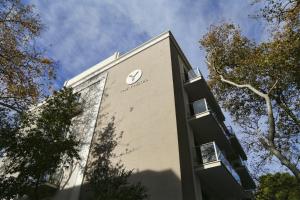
179,145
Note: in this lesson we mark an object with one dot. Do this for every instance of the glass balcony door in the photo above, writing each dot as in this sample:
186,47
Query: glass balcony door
54,178
194,73
210,152
199,106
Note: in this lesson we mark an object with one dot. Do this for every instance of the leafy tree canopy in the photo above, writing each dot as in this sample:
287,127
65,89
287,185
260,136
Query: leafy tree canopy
279,11
25,73
278,186
39,145
258,83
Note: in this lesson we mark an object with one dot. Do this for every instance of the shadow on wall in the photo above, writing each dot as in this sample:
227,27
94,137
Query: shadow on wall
66,194
161,185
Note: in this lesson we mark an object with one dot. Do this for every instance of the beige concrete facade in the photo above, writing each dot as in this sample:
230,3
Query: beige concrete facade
153,115
145,113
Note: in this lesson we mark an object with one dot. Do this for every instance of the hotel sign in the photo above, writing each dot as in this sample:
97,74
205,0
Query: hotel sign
134,76
132,79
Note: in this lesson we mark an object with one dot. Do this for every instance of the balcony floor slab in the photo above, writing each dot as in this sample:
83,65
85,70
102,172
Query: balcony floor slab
207,129
219,179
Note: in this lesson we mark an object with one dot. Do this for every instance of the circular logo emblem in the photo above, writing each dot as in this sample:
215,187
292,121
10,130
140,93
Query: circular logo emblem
134,76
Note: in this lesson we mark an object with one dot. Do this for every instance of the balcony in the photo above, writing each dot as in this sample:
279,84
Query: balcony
236,144
197,88
53,180
50,186
194,81
211,153
207,126
217,172
246,179
194,75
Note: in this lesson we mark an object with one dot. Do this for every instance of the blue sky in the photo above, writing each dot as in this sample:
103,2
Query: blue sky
80,33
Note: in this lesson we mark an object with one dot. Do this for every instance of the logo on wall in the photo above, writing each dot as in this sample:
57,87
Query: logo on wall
134,76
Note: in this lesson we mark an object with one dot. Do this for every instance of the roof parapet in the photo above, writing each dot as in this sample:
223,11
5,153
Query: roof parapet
92,70
113,60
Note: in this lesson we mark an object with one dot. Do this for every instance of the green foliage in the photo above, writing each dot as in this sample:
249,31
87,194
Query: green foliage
269,115
25,72
243,61
279,186
280,12
38,145
109,180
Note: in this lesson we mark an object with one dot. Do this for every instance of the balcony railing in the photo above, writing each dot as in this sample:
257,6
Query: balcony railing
239,162
199,106
211,153
243,163
54,179
235,142
230,130
193,74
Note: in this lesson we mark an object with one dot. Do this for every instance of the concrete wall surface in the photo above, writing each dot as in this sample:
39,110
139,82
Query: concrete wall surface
144,112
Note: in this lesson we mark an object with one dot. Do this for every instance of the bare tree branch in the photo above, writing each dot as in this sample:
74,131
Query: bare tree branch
282,104
268,142
10,107
274,85
271,134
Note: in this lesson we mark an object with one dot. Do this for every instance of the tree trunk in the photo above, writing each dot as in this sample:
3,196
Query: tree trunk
268,143
284,161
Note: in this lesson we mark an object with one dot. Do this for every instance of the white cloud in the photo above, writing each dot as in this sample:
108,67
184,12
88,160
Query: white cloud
84,32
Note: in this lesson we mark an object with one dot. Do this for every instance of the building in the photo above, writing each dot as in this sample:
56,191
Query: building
181,148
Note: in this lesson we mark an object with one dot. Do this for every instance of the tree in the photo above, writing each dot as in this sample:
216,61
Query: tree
278,186
25,73
258,83
39,145
108,179
278,11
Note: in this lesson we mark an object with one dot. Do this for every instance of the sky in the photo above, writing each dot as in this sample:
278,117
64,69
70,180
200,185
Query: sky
80,34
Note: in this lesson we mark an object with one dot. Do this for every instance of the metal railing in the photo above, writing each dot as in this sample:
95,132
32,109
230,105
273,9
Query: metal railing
193,74
210,152
243,163
55,178
239,162
199,106
230,130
